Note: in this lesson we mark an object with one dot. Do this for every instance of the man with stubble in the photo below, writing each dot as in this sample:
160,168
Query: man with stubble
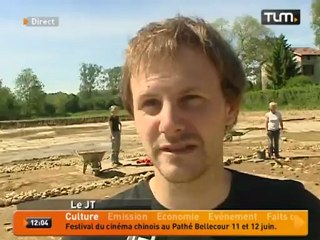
183,84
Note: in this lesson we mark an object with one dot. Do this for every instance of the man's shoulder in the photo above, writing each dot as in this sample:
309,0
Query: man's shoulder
276,192
139,191
269,115
278,114
134,198
265,183
114,117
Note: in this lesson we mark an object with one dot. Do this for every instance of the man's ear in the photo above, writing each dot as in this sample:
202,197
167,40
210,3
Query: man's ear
232,111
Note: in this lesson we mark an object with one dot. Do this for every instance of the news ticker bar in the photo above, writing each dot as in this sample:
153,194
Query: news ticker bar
160,223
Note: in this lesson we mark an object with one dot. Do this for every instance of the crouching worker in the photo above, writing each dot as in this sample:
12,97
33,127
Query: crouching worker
115,130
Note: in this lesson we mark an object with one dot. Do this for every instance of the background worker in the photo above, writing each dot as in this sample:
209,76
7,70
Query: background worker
273,125
115,130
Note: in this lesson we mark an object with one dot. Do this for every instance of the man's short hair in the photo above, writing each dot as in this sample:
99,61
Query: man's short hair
113,108
271,104
162,40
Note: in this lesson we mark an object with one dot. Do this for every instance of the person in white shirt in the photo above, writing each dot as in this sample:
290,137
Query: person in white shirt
273,125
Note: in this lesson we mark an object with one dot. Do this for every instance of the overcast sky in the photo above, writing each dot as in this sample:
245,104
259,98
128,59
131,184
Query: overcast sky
97,31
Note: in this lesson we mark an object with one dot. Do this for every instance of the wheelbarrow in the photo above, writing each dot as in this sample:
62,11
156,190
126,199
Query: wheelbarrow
93,159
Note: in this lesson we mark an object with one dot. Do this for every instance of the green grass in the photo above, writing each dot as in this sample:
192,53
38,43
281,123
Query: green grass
96,113
91,113
86,114
297,98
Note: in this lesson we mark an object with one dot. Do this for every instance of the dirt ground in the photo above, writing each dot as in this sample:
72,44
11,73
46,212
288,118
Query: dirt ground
40,160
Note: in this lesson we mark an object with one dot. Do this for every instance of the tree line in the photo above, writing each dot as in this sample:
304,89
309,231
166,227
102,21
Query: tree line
98,90
256,45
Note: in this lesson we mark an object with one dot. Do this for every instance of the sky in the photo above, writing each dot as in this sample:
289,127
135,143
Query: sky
97,31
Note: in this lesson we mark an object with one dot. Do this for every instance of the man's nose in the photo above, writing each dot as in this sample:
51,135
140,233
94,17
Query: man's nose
171,120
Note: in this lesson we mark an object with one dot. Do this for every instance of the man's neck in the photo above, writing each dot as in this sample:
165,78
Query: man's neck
207,192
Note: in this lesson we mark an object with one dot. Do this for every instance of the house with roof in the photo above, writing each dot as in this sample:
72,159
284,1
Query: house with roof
307,58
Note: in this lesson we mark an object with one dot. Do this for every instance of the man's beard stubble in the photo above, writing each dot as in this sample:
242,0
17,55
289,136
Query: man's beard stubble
179,138
188,138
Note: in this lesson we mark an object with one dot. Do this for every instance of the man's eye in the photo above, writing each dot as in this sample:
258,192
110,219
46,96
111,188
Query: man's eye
151,106
150,103
192,98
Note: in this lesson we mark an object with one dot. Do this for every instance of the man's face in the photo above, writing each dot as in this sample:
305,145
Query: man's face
180,114
115,111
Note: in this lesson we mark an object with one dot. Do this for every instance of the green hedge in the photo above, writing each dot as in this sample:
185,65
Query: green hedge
287,98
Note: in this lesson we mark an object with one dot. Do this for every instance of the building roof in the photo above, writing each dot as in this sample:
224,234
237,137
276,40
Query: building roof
303,51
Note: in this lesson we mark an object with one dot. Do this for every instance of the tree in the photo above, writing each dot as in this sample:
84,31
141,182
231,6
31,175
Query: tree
63,103
50,109
224,28
57,100
102,80
315,24
114,77
282,65
72,104
252,42
29,92
8,105
89,74
89,77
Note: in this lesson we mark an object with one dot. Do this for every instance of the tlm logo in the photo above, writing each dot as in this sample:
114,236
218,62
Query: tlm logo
280,17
